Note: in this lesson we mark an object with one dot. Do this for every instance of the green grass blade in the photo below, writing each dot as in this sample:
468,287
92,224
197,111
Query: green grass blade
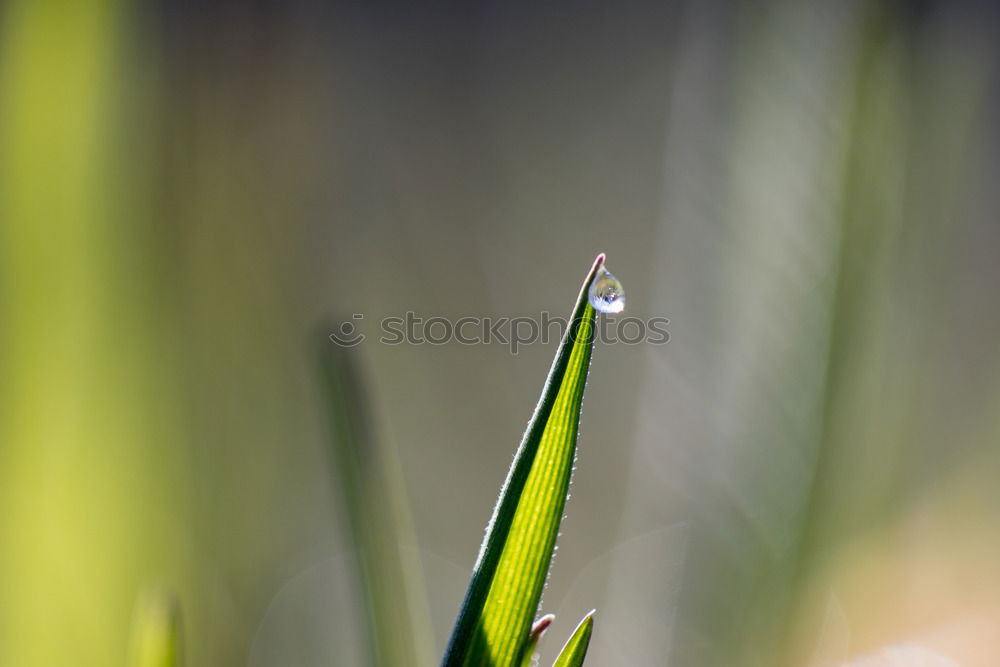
575,650
367,472
493,624
156,632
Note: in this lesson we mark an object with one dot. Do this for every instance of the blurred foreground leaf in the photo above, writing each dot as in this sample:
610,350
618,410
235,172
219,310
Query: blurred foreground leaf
494,623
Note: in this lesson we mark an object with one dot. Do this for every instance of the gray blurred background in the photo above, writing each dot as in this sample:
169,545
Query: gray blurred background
193,194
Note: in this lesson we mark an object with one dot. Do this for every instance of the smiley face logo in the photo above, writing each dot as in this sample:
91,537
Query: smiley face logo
347,334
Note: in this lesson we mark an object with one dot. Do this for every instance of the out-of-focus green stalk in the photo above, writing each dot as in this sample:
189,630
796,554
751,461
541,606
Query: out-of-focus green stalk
872,219
84,467
367,472
156,632
59,516
897,190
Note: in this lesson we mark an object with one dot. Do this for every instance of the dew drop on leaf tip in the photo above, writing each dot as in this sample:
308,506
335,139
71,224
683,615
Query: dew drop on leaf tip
606,292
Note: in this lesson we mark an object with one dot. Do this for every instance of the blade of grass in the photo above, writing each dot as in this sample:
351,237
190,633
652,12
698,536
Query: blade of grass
575,650
493,624
156,631
367,470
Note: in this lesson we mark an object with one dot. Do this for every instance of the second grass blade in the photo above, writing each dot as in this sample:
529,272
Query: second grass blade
575,650
502,598
367,472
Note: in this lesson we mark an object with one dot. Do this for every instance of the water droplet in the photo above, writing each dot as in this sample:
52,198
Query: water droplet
606,292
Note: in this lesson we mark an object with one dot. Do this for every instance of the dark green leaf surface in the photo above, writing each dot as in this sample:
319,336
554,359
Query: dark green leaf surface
493,625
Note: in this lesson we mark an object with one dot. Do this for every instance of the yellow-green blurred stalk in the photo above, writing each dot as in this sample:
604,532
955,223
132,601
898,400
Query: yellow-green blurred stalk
83,397
156,631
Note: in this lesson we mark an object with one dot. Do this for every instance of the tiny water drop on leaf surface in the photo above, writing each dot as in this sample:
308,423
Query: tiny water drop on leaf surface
606,292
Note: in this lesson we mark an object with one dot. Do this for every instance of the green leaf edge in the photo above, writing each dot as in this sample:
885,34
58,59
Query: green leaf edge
575,650
499,526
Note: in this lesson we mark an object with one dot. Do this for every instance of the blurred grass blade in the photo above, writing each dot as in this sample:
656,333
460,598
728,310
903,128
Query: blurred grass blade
575,650
156,631
367,471
538,631
493,624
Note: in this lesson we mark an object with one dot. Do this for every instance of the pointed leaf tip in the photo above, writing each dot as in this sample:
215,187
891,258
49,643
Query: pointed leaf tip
575,650
494,624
